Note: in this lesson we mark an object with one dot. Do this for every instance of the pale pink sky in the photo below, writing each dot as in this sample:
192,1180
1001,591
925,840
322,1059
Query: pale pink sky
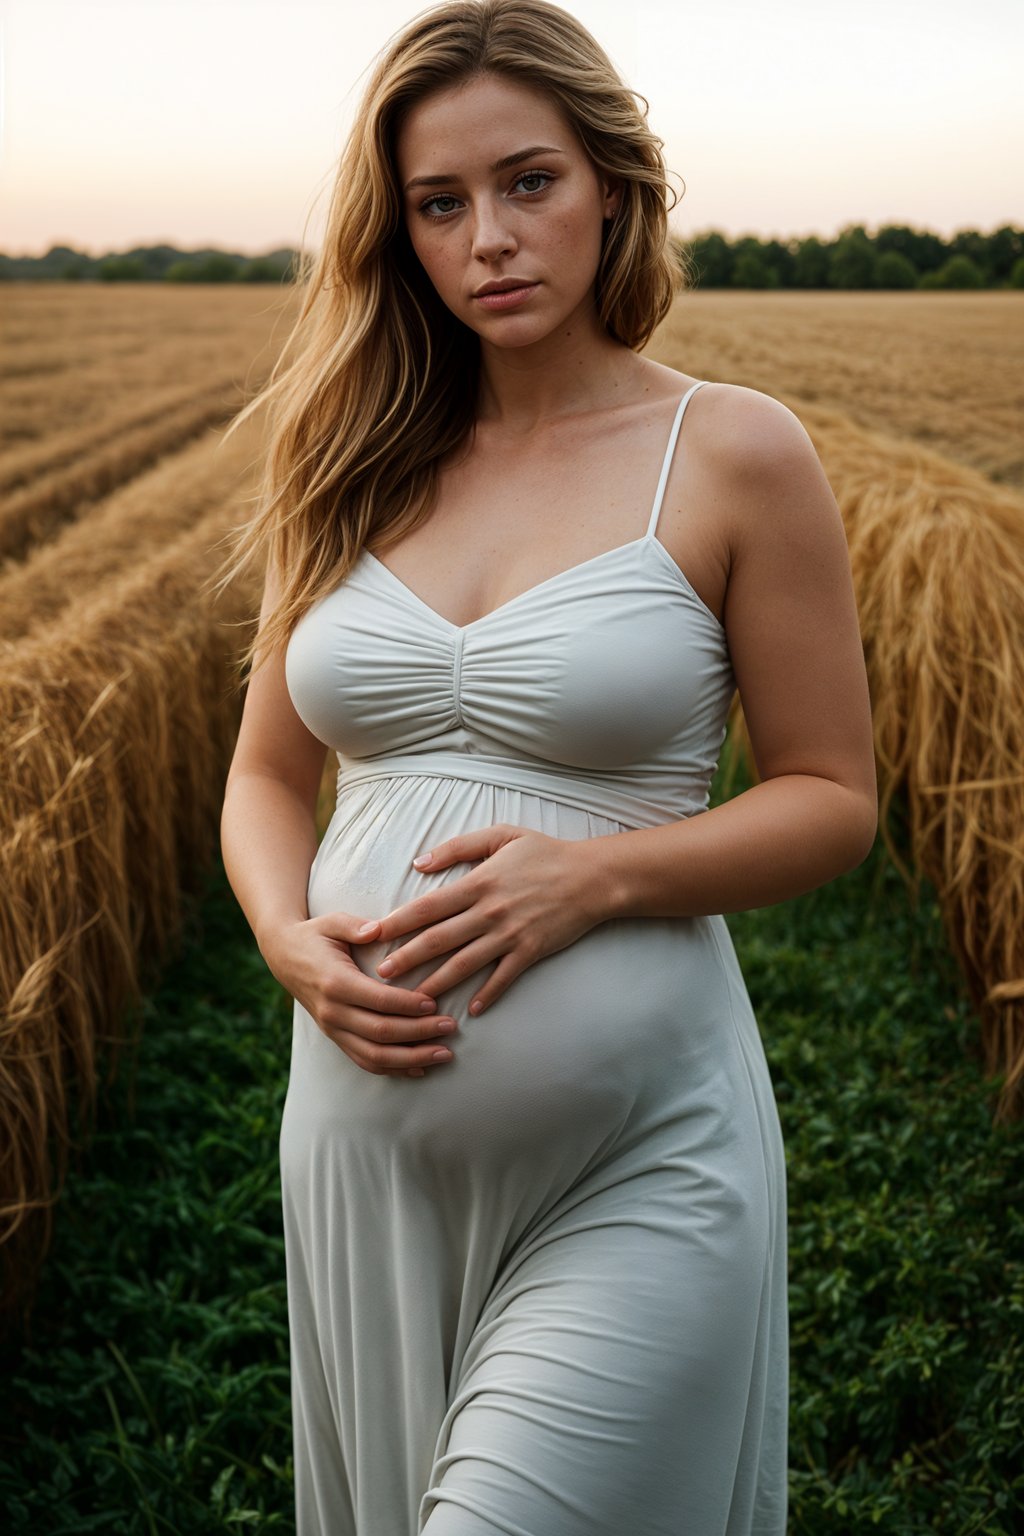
218,122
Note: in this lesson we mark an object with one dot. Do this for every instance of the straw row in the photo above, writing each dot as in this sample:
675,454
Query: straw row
119,723
55,450
937,556
128,526
35,512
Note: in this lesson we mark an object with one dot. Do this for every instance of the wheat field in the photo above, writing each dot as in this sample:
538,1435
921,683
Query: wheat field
942,369
118,692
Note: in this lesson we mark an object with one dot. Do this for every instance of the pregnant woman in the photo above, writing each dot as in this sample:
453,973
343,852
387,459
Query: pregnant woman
533,1180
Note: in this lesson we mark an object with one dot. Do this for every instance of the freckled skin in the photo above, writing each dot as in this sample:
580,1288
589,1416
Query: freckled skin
485,224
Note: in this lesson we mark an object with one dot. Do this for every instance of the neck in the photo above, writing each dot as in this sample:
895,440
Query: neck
576,368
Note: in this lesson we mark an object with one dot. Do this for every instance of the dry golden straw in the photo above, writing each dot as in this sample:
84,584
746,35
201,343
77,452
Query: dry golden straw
119,723
937,555
145,514
36,511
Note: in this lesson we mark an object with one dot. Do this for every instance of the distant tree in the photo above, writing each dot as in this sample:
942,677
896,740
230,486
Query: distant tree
974,245
1005,248
713,259
893,270
75,270
121,269
778,258
261,269
750,271
923,249
1017,273
851,263
960,272
213,267
217,267
810,264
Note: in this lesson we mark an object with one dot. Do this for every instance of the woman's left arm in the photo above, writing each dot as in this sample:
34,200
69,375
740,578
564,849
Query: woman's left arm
794,642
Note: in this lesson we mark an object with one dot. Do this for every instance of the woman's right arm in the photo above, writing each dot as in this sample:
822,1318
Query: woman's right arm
268,843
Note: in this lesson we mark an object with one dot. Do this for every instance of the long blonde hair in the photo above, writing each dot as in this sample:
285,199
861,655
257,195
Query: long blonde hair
383,383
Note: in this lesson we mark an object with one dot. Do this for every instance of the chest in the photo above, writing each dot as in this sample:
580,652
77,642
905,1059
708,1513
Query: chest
510,516
612,663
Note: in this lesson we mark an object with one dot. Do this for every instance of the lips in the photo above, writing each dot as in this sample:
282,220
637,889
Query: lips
503,285
506,298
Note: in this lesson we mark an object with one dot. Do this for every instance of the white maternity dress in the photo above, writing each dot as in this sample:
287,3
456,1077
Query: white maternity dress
541,1290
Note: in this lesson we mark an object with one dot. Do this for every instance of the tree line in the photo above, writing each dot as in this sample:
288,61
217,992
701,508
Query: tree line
151,264
894,257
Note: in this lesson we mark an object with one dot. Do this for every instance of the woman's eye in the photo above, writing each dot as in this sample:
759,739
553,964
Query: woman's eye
541,177
544,176
441,197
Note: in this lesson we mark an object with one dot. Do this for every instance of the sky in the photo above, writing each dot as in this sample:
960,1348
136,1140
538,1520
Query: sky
219,122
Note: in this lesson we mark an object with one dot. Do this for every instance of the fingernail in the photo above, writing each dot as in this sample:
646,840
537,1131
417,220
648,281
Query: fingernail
418,863
446,1026
385,968
365,927
427,1006
442,1056
475,1007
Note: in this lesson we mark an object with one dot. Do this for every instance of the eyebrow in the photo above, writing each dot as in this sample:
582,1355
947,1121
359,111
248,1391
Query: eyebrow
499,165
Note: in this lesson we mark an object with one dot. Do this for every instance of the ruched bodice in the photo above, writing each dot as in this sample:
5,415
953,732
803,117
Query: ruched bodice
606,686
539,1291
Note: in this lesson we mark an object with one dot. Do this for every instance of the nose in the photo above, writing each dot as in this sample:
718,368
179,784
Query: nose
492,233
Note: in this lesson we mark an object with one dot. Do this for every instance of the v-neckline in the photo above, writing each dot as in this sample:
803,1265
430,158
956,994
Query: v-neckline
510,601
538,586
649,537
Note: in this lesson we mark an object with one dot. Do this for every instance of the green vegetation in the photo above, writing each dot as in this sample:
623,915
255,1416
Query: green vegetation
895,257
152,1396
150,264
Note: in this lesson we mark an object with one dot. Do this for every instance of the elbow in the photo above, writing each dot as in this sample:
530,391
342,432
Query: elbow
863,829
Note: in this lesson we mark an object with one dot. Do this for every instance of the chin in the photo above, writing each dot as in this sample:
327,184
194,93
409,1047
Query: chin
510,330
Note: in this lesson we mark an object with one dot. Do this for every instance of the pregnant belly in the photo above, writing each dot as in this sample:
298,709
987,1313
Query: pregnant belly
634,1013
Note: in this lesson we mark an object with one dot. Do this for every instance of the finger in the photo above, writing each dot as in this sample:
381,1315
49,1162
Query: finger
380,1062
466,962
423,911
347,927
467,847
394,1029
499,981
378,1059
440,939
362,991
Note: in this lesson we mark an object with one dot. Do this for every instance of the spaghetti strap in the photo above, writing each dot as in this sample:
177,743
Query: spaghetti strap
667,461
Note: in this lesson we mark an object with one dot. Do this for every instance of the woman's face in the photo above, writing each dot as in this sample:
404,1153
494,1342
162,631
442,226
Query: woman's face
473,221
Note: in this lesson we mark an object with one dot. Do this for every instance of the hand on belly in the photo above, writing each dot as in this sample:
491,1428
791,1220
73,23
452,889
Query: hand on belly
528,896
382,1029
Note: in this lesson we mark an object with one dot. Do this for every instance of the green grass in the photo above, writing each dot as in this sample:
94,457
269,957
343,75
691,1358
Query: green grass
152,1396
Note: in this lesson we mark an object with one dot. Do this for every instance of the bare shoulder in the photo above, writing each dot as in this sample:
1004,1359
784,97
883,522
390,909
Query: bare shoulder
751,437
766,473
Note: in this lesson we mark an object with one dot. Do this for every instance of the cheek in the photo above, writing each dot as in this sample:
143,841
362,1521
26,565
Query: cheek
439,261
576,248
578,230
